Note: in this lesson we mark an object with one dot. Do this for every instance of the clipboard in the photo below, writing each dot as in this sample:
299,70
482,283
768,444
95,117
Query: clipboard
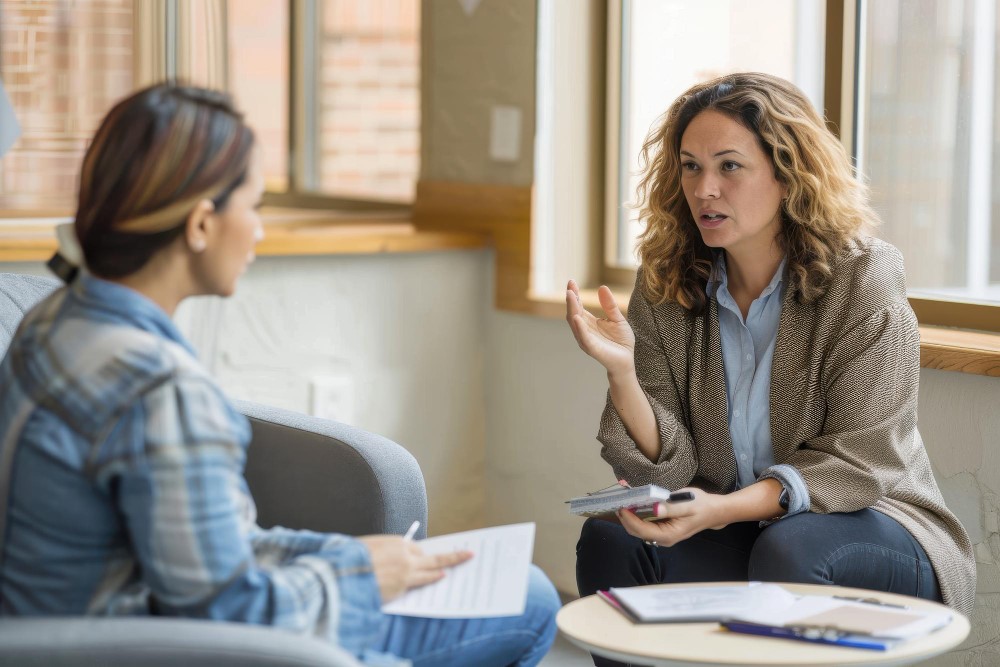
770,610
865,623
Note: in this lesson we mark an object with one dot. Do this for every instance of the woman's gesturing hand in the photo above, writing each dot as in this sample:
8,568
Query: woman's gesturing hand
401,564
609,340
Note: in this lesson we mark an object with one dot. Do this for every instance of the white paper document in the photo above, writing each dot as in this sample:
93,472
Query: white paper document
493,583
700,603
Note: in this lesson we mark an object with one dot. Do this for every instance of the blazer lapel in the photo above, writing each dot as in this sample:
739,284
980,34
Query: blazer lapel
790,387
710,407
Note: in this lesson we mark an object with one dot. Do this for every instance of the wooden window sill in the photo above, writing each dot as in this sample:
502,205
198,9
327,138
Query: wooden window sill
502,213
286,232
976,352
942,348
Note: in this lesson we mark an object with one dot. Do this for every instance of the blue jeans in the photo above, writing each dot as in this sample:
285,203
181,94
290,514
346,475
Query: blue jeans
864,549
517,640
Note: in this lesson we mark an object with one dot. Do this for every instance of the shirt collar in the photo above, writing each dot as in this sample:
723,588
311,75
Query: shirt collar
719,279
124,305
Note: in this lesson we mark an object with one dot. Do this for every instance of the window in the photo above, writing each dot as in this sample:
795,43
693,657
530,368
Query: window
352,130
368,107
330,86
928,140
63,65
669,45
912,87
258,66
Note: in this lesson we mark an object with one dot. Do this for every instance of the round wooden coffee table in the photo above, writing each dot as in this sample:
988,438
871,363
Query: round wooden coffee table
595,626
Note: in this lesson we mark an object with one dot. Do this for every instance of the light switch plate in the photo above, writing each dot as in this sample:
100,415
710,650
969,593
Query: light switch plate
505,133
332,397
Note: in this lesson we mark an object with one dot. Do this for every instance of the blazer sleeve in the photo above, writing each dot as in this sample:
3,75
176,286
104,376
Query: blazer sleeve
677,463
871,411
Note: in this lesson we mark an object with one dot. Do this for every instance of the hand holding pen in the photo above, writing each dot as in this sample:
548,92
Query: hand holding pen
399,563
686,512
675,497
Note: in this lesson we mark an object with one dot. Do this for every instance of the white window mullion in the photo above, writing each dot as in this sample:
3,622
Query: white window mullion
810,20
543,233
569,130
981,146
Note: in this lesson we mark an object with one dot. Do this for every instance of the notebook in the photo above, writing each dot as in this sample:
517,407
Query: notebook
688,604
641,499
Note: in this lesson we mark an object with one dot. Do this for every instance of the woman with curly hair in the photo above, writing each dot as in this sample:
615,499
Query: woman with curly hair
769,364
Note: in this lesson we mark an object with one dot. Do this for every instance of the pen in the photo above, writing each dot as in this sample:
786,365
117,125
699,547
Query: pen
411,532
651,513
622,484
817,635
873,601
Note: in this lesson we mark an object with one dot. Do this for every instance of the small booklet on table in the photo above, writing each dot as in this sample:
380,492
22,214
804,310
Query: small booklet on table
640,499
771,611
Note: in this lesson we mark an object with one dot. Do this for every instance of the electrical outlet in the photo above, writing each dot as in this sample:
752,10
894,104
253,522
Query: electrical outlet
332,397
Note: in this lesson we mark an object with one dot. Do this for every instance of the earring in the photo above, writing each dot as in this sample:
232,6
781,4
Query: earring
198,245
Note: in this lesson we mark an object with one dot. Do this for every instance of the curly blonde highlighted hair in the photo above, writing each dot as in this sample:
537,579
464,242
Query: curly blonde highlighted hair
825,209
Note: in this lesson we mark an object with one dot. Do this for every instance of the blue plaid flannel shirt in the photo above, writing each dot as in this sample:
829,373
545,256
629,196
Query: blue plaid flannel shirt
127,493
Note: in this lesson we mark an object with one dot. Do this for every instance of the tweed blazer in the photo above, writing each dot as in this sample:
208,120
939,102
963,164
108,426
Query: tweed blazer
843,401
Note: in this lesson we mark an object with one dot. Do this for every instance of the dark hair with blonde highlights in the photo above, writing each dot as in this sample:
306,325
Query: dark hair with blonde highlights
156,155
825,209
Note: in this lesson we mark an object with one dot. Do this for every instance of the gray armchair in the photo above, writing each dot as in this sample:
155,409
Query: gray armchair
303,473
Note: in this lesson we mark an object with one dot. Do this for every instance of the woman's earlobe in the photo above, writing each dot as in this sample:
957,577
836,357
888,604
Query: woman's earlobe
198,224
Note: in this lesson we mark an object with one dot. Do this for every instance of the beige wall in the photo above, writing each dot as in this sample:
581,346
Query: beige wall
469,64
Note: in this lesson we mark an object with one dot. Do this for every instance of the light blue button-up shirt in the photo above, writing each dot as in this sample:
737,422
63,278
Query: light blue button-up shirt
747,353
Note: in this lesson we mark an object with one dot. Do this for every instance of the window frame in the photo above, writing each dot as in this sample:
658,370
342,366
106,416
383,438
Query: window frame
303,77
842,77
158,47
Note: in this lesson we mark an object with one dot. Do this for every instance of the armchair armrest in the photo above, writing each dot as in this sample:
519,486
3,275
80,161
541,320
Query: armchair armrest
159,642
306,472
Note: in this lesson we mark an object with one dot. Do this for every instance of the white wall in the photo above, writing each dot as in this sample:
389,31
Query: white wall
501,409
406,333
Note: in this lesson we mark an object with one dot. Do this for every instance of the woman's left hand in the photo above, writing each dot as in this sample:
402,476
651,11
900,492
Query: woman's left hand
678,521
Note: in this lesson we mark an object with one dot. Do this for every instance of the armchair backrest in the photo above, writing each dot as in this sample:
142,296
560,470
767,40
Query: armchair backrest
18,293
303,472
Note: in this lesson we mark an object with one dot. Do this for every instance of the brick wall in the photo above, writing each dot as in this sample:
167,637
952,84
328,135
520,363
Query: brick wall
63,63
370,98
